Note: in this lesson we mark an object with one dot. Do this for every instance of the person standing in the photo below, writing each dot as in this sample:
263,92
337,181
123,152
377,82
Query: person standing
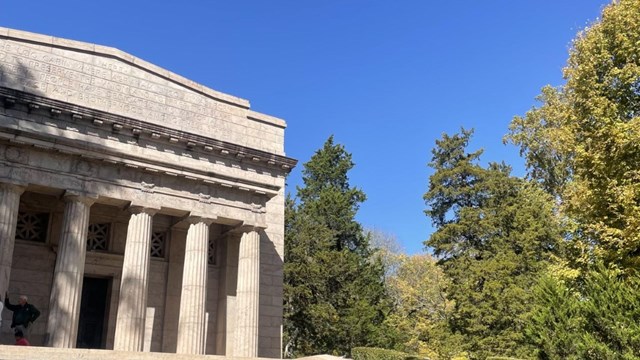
23,314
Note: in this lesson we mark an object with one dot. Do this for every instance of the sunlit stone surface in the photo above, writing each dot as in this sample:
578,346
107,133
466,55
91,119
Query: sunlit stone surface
139,210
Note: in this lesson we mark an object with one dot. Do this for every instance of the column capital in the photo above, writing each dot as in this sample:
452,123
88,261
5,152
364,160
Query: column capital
247,228
79,196
12,186
242,229
138,209
195,219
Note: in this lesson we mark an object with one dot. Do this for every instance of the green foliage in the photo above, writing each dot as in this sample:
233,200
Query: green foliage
494,235
596,319
334,295
367,353
611,308
328,198
583,142
583,145
554,326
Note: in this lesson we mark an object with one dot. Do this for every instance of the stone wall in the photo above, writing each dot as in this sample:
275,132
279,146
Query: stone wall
271,278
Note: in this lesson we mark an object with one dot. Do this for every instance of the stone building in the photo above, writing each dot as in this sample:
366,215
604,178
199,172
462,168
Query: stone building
139,210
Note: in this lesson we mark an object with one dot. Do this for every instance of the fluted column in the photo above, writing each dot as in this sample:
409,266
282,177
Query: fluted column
132,304
191,323
64,304
248,296
9,202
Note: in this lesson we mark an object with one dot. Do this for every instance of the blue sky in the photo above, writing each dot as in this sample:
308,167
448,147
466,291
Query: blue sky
386,78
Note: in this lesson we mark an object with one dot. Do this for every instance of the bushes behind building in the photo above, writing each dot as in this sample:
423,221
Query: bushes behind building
368,353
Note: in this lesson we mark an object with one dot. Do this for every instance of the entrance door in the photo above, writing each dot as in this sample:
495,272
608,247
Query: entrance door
93,313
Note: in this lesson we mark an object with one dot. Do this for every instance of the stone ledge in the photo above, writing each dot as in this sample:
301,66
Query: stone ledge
8,352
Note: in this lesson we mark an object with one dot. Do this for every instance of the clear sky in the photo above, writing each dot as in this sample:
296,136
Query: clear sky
386,78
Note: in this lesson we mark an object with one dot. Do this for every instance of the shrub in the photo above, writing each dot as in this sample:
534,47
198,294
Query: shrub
368,353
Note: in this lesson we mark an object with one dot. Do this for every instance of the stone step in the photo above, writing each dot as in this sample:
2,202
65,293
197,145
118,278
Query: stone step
10,352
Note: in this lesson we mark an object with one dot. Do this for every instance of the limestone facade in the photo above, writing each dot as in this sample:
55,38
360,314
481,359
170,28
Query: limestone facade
139,210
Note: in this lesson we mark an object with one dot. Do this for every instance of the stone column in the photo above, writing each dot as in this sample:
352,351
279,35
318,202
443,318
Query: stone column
227,286
64,304
9,202
132,304
248,296
191,323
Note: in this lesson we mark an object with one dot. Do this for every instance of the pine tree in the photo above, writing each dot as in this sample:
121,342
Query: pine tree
334,292
494,236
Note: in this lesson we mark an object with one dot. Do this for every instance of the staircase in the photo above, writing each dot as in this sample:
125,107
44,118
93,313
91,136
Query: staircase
10,352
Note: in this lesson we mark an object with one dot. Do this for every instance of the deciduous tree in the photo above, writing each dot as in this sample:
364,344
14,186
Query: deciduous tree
421,309
583,142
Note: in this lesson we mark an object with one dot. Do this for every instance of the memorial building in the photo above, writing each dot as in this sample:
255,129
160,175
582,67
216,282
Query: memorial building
139,210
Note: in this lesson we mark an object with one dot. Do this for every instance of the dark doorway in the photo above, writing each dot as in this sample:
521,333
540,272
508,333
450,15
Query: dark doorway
93,312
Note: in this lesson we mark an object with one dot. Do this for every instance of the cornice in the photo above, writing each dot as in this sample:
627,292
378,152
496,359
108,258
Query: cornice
122,124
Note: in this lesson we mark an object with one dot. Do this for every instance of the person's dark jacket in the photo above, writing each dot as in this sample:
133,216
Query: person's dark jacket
22,314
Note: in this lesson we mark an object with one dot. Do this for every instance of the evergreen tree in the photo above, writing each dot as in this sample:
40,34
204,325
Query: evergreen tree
494,236
555,324
598,318
334,291
610,306
583,142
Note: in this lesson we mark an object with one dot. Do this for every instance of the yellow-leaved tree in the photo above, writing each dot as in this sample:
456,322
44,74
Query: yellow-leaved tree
583,142
421,308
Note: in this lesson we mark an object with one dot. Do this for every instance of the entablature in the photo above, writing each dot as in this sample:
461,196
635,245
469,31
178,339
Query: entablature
240,160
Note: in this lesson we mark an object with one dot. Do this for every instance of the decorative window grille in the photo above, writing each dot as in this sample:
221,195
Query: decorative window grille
98,237
212,251
32,226
158,241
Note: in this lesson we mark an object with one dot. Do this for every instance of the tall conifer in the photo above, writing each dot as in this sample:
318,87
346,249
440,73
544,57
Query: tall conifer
334,291
494,236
